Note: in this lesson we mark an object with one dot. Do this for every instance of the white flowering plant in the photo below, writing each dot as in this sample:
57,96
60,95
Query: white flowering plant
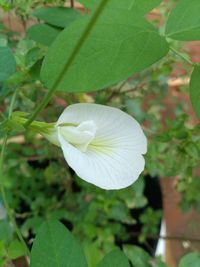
82,87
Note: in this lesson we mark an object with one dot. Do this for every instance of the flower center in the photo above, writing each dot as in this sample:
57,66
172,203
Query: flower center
80,135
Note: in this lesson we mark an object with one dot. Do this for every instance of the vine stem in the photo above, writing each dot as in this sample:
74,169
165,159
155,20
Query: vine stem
181,55
2,189
3,194
11,107
87,29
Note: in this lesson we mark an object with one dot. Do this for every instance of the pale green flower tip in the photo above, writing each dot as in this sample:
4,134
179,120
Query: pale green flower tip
79,135
51,134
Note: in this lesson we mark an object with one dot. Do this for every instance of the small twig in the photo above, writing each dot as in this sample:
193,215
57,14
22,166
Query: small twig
122,85
179,238
72,3
175,238
181,56
149,247
140,86
12,103
120,92
117,91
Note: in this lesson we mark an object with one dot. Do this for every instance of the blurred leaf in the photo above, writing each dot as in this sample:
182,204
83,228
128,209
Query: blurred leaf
114,258
5,231
43,33
17,78
138,7
33,224
183,22
134,108
93,255
33,56
16,250
2,262
56,16
54,246
195,90
150,220
192,150
120,214
137,256
3,251
3,40
7,63
157,262
88,3
59,214
191,259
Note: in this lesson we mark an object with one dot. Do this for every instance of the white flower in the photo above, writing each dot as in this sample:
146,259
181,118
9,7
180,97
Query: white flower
103,145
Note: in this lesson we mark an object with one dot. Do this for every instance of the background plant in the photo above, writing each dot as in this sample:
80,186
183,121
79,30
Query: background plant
38,185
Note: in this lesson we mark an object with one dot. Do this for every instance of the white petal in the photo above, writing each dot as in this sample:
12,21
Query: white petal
114,158
80,136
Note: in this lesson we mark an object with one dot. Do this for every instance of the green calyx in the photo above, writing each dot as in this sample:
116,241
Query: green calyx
17,121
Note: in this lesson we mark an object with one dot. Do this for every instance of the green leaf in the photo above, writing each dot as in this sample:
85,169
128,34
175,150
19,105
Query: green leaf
114,258
33,56
137,256
195,90
7,63
191,259
159,263
93,254
43,33
3,40
5,231
56,16
139,7
117,47
183,22
54,246
2,262
33,224
88,3
3,251
16,250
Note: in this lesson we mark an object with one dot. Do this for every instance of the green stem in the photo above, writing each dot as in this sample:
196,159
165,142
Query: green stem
76,50
3,194
2,189
12,103
181,56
